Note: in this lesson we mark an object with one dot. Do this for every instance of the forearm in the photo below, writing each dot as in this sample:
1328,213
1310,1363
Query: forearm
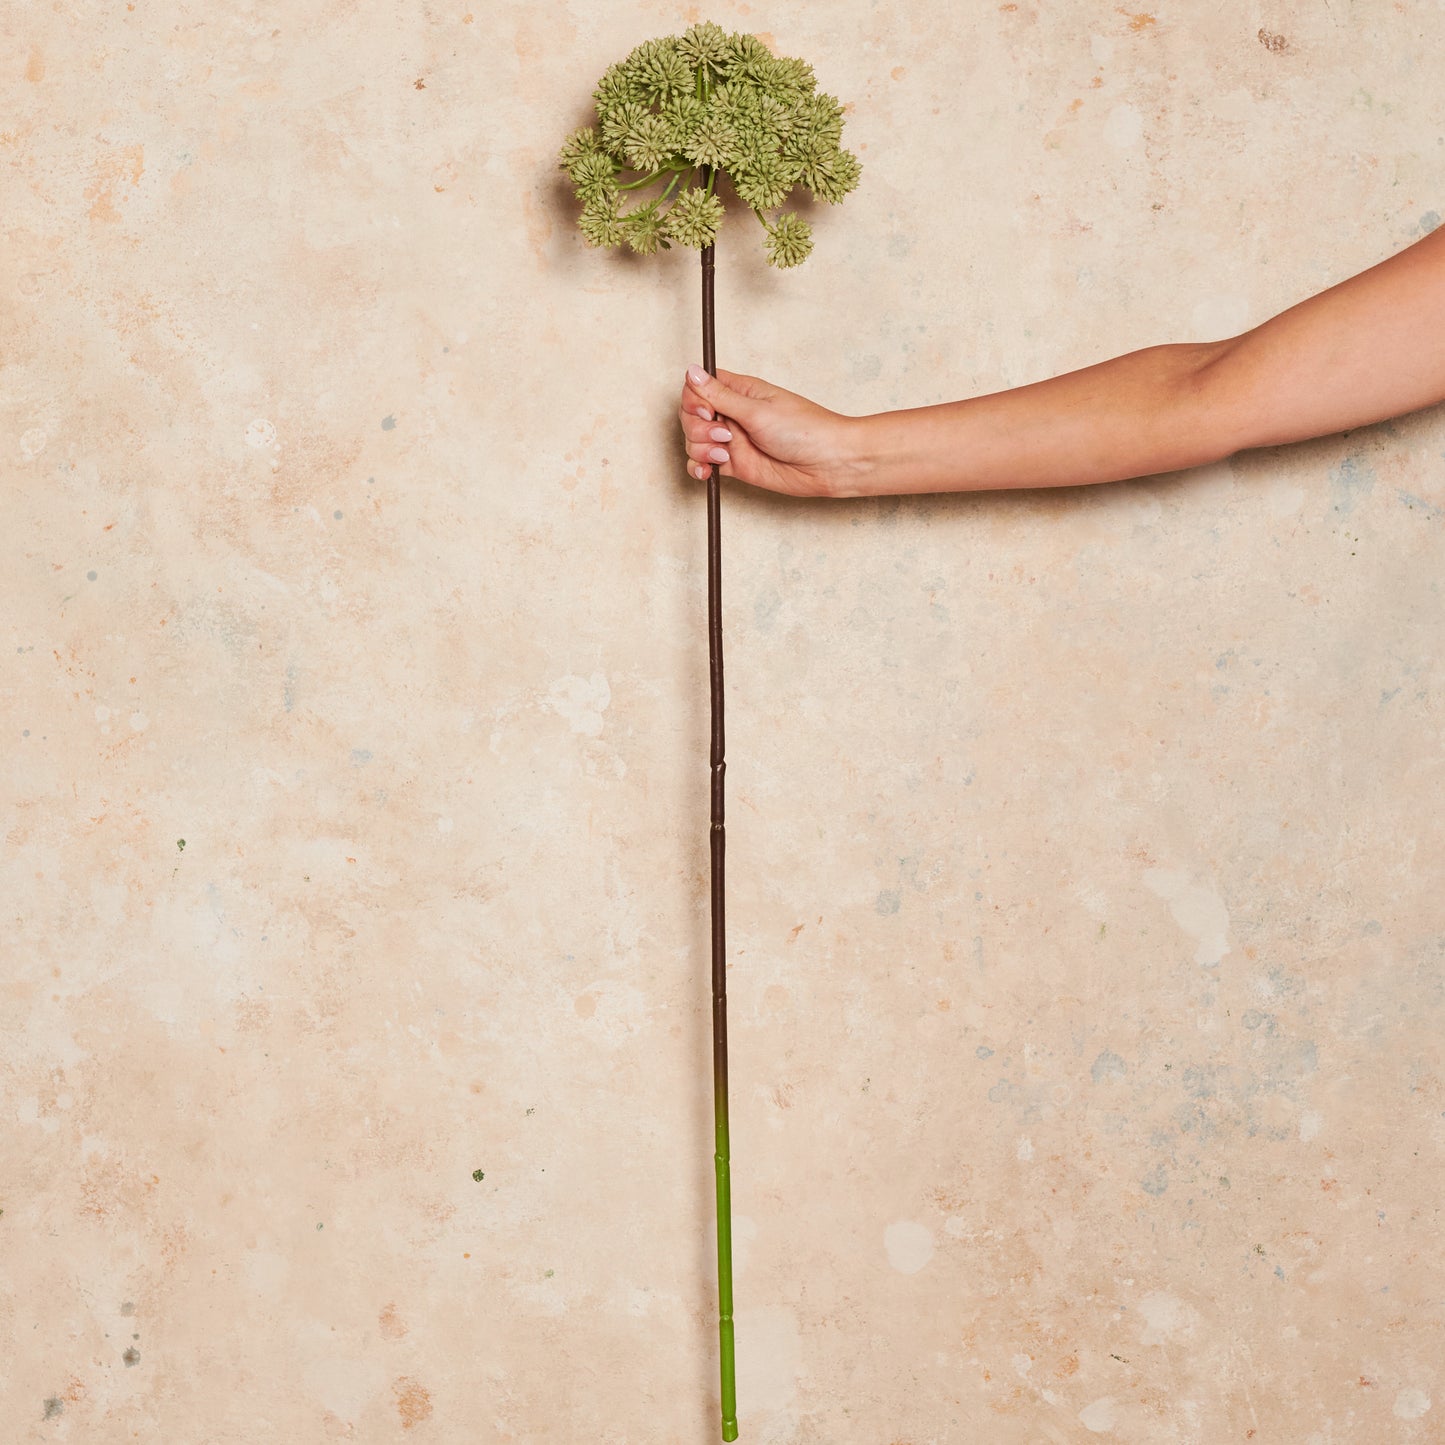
1369,348
1131,416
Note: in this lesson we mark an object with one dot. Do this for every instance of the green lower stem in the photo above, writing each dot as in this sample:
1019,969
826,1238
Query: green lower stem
725,1273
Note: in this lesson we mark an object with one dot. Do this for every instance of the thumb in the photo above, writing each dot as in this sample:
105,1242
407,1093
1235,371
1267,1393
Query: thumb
730,394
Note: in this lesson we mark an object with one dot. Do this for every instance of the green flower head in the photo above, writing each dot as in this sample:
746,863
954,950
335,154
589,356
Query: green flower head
600,224
593,176
683,116
619,122
694,218
658,71
763,182
790,239
648,144
616,86
584,142
705,47
682,110
713,143
744,49
645,230
833,177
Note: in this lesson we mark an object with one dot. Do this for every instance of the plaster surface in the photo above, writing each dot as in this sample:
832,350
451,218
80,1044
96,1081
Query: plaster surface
1086,947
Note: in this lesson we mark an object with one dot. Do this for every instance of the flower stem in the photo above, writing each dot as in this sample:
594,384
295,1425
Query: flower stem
722,1156
645,181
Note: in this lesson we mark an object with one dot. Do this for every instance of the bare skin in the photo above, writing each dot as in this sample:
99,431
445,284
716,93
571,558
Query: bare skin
1369,348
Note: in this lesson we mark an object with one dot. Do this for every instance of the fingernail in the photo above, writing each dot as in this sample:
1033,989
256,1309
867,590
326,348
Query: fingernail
717,454
705,413
697,376
720,434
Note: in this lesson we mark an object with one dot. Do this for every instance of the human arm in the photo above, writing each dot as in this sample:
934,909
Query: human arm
1369,348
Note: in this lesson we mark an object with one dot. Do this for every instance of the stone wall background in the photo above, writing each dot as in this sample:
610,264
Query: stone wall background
1087,959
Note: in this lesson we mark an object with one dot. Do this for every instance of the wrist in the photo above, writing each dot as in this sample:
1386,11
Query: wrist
858,468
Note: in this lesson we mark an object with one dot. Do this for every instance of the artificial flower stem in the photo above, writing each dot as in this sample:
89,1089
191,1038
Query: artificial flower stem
648,180
717,839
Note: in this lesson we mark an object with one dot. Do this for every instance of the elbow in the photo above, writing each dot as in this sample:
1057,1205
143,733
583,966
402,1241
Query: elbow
1214,409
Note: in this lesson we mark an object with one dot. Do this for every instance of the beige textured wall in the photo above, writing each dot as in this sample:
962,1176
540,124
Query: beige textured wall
1088,964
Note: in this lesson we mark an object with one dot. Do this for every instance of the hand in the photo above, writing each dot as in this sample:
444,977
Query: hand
761,434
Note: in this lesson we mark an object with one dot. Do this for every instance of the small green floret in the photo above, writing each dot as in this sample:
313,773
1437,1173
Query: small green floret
644,230
790,239
713,143
680,112
694,218
682,117
648,145
600,223
593,176
704,47
658,71
618,123
584,142
763,182
742,49
616,87
833,177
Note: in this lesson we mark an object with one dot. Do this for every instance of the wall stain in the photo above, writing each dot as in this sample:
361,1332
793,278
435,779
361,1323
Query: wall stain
413,1401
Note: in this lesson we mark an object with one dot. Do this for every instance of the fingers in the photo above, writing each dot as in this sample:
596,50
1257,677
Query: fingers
693,401
711,406
706,446
703,469
694,404
728,393
745,385
706,436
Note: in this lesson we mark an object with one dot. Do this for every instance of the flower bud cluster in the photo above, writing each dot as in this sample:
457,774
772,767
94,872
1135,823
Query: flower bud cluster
706,102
